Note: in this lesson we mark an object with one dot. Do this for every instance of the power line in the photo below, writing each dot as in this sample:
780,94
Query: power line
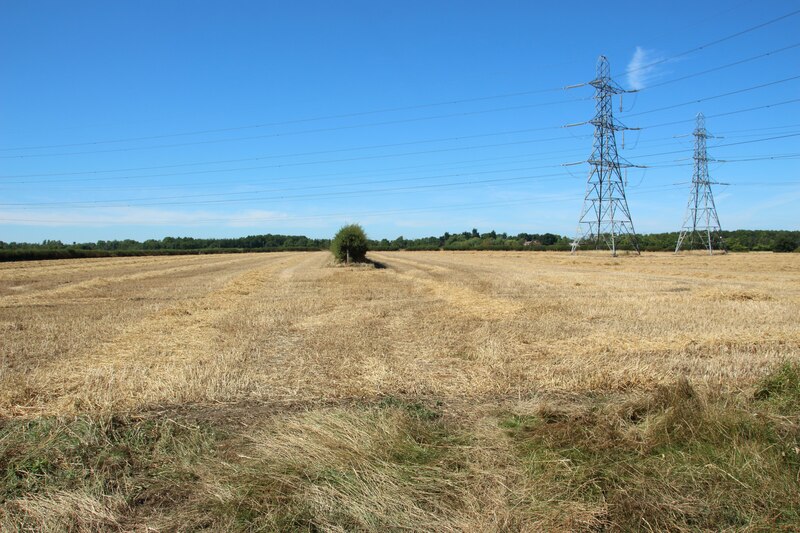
287,122
721,162
239,160
712,43
377,111
348,215
259,167
793,125
729,144
287,189
106,203
678,163
318,130
272,156
438,208
390,145
331,215
392,171
698,22
193,173
371,173
746,110
762,158
714,97
708,71
767,184
379,156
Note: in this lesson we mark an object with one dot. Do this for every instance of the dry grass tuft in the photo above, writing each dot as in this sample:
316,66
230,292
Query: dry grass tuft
345,470
64,511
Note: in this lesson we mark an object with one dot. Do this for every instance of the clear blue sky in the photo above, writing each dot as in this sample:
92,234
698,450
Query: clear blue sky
210,119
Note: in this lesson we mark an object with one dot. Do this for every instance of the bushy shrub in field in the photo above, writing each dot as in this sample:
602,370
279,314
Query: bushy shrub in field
350,244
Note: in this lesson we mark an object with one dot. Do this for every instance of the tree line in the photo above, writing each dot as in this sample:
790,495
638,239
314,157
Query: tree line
54,249
735,241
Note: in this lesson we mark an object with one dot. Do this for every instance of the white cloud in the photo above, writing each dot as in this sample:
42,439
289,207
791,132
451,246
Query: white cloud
641,69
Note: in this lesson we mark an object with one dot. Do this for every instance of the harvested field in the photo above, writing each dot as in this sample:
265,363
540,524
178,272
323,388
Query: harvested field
447,391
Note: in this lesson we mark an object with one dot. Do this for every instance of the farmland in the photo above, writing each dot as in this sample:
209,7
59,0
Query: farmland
440,390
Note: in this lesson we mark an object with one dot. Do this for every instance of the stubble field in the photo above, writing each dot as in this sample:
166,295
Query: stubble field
441,391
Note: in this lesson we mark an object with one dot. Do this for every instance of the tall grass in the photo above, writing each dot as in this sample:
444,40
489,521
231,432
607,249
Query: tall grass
675,459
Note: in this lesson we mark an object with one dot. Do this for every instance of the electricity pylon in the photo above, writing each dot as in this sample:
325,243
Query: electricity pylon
605,215
701,218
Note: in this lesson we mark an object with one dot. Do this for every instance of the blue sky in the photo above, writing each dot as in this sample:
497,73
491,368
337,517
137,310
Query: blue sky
210,119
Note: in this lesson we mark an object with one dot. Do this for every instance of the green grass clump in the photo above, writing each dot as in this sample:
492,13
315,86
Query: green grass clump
416,409
86,474
672,460
781,389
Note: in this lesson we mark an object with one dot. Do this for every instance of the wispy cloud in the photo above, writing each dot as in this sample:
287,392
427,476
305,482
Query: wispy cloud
641,69
756,214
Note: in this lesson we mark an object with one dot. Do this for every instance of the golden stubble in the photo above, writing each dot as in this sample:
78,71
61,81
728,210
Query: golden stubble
131,333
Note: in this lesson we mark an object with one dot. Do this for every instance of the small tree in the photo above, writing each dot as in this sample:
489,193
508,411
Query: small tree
350,244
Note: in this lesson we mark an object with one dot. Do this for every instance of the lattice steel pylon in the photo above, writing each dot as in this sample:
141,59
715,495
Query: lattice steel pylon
701,218
605,215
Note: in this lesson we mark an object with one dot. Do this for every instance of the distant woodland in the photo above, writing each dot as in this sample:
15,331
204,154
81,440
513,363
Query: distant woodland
735,241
